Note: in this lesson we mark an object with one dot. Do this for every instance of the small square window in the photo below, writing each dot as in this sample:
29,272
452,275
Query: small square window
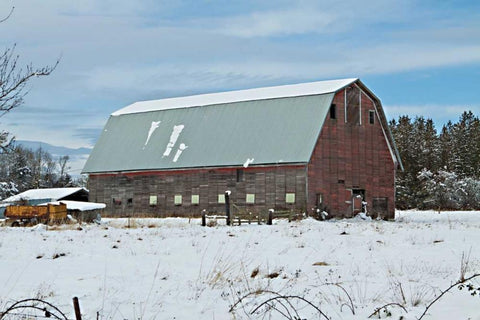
290,198
250,198
371,116
221,198
195,199
178,199
153,200
333,111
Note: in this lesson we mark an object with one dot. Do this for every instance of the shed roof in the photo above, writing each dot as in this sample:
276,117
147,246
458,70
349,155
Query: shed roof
77,205
46,193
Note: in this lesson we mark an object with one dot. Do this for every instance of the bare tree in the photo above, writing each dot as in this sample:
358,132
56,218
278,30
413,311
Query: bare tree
13,81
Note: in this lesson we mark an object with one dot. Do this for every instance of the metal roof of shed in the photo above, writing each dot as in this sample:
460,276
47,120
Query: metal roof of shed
45,193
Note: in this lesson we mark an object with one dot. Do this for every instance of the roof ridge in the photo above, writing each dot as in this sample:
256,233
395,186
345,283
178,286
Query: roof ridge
262,93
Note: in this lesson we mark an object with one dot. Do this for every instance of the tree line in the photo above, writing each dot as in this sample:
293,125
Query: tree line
441,169
22,169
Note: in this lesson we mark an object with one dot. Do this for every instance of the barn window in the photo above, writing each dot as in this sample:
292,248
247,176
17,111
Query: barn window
177,199
195,199
250,198
371,116
240,175
129,201
221,198
290,198
333,111
153,200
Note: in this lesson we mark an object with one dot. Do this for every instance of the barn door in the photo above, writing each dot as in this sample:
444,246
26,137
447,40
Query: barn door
358,196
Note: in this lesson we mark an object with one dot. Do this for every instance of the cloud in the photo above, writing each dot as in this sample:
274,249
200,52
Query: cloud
118,52
277,23
440,114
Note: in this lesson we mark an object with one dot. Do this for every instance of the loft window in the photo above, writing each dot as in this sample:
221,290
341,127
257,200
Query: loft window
333,111
221,198
195,199
250,198
177,199
371,116
239,175
290,198
153,200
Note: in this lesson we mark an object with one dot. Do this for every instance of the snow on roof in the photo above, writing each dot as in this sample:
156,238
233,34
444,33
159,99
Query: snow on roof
294,90
78,205
47,193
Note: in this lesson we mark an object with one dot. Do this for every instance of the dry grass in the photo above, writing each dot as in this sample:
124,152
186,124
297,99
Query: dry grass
212,223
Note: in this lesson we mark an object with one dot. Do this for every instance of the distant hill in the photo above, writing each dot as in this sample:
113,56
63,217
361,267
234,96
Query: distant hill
54,150
77,156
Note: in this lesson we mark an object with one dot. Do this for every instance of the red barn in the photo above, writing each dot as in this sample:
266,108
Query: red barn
305,146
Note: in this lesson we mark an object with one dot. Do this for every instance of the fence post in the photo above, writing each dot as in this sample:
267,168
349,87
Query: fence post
204,218
76,307
227,206
270,217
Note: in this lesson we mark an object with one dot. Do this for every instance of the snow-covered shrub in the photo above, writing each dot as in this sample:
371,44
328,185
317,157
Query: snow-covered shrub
441,190
7,189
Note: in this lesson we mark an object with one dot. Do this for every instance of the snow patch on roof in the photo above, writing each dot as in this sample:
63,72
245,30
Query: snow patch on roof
173,139
294,90
248,162
48,193
153,127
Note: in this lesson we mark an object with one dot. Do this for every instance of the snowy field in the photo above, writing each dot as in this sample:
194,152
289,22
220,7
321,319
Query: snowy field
176,269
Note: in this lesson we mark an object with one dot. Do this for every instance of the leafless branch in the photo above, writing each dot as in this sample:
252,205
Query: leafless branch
446,290
8,16
14,78
287,298
387,305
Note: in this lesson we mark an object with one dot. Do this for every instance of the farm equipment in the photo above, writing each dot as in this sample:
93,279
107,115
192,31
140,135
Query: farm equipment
31,215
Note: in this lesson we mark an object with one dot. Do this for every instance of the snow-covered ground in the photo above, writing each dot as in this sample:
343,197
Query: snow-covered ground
175,269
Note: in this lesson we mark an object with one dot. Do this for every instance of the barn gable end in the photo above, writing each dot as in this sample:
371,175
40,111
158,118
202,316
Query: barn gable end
353,157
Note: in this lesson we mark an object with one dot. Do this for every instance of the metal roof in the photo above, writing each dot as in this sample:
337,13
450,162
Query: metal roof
293,90
281,129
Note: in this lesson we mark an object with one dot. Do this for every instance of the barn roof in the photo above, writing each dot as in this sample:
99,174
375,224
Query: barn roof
292,90
248,127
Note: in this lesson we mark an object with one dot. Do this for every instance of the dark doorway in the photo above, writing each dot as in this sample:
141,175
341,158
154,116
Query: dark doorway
380,207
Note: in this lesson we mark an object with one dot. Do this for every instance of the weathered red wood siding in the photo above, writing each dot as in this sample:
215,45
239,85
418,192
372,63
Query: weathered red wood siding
269,184
351,156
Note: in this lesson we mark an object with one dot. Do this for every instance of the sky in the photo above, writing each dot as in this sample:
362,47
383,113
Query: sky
418,57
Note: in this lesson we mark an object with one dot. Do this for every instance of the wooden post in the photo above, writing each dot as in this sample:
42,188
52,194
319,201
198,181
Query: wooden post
76,307
204,218
270,217
227,206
